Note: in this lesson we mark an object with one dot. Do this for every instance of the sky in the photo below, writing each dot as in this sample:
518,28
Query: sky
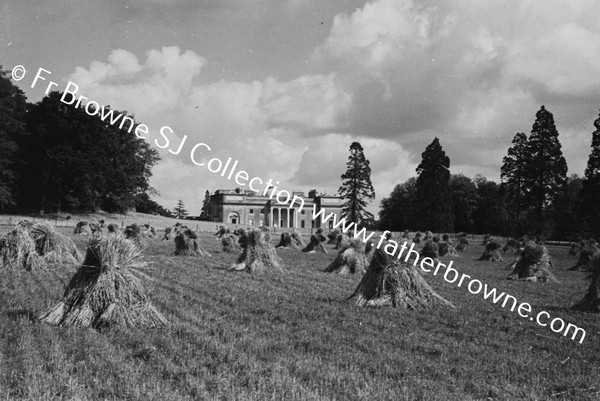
285,86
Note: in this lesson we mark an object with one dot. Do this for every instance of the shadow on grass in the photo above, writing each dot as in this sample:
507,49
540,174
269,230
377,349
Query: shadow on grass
16,314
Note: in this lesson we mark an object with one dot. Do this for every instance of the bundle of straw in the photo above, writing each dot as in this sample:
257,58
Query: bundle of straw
18,250
104,291
221,232
492,251
96,229
319,234
574,249
148,231
405,236
55,248
332,236
533,264
168,234
133,232
314,245
186,244
297,240
430,250
287,242
591,300
463,245
350,260
418,238
589,249
230,243
113,228
82,228
447,249
342,241
259,255
391,282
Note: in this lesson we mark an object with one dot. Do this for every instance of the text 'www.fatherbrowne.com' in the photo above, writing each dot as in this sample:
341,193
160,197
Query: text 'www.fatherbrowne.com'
452,275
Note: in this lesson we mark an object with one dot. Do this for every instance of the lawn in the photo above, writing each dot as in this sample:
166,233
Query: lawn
293,336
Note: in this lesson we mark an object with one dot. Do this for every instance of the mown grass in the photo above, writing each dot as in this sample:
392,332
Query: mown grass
293,336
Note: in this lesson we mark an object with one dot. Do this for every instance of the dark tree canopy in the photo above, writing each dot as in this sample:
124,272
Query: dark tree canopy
464,200
13,108
434,200
567,226
143,204
489,216
513,175
357,188
398,211
590,191
71,161
546,171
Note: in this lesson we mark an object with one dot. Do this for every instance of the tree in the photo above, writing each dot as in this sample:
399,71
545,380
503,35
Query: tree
13,107
205,206
590,191
434,200
567,225
179,210
546,171
143,204
489,216
357,188
464,200
398,211
71,161
512,175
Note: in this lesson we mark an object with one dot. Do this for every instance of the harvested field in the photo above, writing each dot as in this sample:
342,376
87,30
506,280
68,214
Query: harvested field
291,335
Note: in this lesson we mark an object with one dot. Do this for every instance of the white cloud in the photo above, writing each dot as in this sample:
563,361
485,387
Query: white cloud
259,123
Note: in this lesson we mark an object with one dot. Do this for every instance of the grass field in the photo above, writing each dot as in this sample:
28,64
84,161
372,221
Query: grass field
293,336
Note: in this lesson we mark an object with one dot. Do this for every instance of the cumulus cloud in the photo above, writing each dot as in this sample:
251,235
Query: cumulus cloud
258,123
393,74
470,72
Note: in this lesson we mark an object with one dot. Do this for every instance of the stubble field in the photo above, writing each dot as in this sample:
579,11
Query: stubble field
293,336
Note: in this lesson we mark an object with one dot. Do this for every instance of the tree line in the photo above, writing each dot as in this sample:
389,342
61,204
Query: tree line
57,158
535,195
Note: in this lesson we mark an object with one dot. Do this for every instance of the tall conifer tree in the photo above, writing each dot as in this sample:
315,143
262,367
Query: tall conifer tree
590,192
546,171
513,174
434,199
180,212
356,187
205,205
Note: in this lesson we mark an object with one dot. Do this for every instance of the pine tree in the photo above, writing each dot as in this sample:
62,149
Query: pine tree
546,171
434,200
590,192
179,210
356,187
205,206
512,174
